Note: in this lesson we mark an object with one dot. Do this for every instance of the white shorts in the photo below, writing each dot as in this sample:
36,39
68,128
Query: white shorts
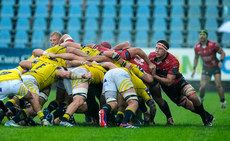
12,88
67,86
79,81
70,84
30,83
117,80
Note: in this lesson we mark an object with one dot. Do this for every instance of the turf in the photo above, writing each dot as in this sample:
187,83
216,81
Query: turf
188,126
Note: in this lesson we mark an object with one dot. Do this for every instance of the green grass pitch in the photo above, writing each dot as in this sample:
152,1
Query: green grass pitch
188,127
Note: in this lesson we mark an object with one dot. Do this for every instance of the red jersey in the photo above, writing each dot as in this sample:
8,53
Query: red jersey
208,53
169,65
137,60
126,56
140,62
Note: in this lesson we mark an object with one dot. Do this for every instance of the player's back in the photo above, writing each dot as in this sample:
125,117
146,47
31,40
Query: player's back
45,73
90,51
10,74
57,49
57,61
97,71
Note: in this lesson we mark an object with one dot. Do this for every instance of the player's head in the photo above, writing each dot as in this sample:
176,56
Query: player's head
54,38
162,47
106,45
203,35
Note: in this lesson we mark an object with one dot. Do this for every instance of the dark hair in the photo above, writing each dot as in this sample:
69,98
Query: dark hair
164,43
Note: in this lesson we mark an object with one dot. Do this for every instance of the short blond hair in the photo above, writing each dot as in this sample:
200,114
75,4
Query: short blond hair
56,33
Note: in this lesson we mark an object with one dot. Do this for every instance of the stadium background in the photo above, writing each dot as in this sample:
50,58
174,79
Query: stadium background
26,24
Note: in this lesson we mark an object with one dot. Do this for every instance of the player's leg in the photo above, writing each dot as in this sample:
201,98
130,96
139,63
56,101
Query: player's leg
193,103
220,90
120,109
132,101
79,96
205,79
163,105
106,110
91,115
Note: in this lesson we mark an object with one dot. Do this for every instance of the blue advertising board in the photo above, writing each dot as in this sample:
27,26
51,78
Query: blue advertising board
11,57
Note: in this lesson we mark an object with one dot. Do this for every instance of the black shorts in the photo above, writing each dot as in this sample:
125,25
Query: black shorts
174,92
211,71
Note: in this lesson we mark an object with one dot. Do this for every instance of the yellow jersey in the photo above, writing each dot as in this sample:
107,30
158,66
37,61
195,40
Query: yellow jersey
57,49
57,61
90,51
45,73
139,86
135,69
97,71
10,74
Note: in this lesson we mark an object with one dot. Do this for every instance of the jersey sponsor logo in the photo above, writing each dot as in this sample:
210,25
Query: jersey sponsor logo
5,73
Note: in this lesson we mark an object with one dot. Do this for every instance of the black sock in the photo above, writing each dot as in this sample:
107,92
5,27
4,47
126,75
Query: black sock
165,109
222,100
142,106
52,106
3,107
129,113
60,111
107,108
200,110
21,115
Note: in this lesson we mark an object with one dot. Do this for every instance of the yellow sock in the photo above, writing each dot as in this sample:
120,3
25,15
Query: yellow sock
67,116
40,114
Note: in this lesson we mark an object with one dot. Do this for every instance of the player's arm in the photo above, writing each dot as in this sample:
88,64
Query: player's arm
115,56
99,58
73,75
66,56
168,81
26,65
123,45
108,65
71,44
38,52
139,72
76,51
222,54
138,51
75,63
195,62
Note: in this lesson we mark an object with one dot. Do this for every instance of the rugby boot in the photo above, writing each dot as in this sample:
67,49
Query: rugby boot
102,119
127,125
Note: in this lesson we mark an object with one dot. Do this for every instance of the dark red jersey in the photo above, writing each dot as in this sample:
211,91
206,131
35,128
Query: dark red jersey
137,60
169,65
208,53
140,62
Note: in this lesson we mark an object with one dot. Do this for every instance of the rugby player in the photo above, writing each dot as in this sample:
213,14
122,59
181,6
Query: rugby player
208,49
173,83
